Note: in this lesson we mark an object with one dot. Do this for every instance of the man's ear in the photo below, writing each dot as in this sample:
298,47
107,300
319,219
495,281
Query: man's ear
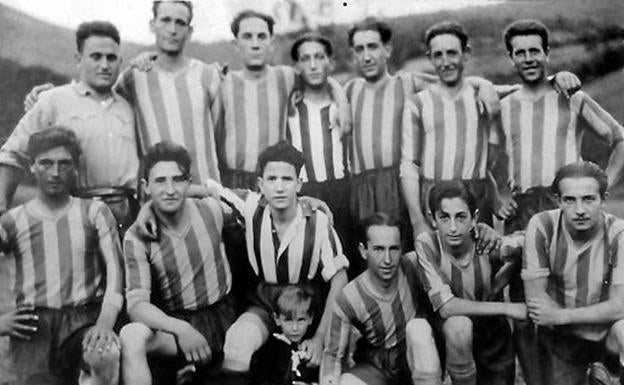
259,183
431,219
151,25
332,64
144,187
362,250
299,185
475,215
388,47
77,57
467,52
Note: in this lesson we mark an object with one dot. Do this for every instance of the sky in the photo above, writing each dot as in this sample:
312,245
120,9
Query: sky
212,17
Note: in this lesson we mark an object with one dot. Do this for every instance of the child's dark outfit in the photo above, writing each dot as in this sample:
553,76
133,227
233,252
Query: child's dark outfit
279,362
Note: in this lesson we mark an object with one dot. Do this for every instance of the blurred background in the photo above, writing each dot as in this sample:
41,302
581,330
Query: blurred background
37,45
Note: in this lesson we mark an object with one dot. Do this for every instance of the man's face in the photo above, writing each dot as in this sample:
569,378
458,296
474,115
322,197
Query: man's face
529,58
314,64
454,222
280,184
254,42
382,253
294,328
99,62
55,172
448,58
167,186
171,27
580,203
370,54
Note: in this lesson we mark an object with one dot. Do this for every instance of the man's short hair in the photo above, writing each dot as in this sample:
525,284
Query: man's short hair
55,136
450,190
311,37
187,4
247,14
371,24
294,299
281,152
95,28
581,169
376,219
166,151
447,28
523,28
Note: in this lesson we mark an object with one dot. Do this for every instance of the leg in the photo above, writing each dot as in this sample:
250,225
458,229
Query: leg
422,354
242,339
615,344
457,331
137,340
350,379
103,366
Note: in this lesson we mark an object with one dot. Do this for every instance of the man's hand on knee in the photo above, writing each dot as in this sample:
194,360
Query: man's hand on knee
193,345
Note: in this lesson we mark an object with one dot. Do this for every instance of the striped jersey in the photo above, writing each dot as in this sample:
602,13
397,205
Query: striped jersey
177,106
446,135
189,269
377,111
575,274
379,318
71,258
310,131
309,247
445,277
252,115
545,134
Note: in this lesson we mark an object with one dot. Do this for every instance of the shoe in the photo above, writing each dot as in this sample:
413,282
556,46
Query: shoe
598,374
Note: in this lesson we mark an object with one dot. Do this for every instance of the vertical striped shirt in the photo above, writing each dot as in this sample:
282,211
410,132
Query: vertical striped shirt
377,111
190,268
69,259
446,277
545,134
310,131
446,135
177,106
310,245
575,274
380,319
252,116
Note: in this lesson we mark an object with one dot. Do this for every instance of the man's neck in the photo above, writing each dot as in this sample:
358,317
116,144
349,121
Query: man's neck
53,203
380,80
255,72
460,251
534,90
102,94
383,288
171,63
284,217
317,94
452,89
175,221
580,238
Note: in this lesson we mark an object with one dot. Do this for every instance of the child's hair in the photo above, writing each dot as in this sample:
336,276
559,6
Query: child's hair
294,299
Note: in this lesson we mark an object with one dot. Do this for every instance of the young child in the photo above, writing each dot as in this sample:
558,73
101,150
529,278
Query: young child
280,361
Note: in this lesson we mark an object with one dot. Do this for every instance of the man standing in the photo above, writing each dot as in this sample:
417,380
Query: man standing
177,98
543,131
386,304
574,276
461,287
311,131
68,276
101,119
188,267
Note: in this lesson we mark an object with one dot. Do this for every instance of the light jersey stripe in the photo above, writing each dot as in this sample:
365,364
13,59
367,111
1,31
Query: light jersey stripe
377,113
545,134
309,247
59,260
380,320
322,147
177,106
254,115
449,138
191,268
575,274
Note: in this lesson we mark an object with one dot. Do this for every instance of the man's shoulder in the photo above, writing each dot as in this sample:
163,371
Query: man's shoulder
58,93
614,224
545,218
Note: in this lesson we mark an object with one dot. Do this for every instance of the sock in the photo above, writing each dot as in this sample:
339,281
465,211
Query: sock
463,374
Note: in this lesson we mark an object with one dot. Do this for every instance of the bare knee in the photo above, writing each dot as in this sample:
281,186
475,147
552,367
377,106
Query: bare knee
134,337
242,339
350,379
422,354
457,331
615,339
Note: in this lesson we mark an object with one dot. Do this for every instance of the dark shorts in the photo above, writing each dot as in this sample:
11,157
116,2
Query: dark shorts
54,353
480,188
380,366
380,191
239,179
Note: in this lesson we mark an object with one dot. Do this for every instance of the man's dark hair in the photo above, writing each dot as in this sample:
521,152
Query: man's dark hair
447,28
449,190
187,4
166,151
247,14
376,219
523,28
55,136
295,298
371,24
581,169
281,152
95,28
308,37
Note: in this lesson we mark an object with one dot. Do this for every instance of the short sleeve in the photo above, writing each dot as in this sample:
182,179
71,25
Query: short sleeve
535,257
437,289
138,276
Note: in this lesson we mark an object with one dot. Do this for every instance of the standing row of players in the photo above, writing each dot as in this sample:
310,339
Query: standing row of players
426,134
